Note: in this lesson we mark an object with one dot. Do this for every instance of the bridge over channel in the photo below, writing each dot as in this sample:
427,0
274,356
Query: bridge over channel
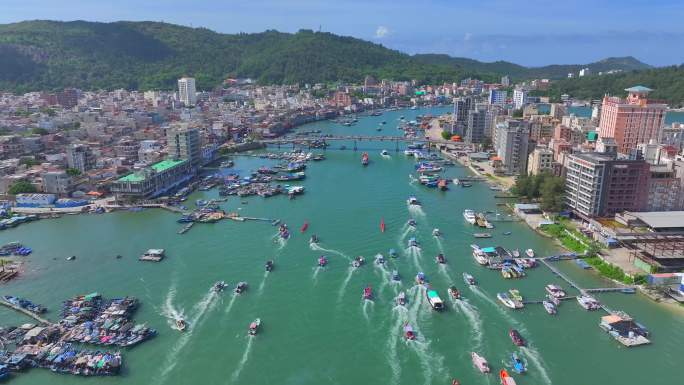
311,140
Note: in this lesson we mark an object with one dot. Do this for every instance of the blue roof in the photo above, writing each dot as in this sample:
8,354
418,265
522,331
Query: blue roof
489,250
638,89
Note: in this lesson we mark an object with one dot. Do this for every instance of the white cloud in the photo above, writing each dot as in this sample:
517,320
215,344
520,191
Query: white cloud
467,36
381,32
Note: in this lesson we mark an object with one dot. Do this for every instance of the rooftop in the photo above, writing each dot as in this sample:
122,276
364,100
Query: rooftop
638,89
157,167
661,219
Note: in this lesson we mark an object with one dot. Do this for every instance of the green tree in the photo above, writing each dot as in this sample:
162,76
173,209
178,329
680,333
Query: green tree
552,193
73,172
21,187
39,131
29,162
446,135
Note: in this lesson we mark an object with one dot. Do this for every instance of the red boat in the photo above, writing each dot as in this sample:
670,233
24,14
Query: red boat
516,337
368,293
442,184
322,261
382,225
505,378
364,159
304,227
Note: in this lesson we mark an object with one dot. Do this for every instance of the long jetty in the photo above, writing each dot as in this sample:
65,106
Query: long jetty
26,312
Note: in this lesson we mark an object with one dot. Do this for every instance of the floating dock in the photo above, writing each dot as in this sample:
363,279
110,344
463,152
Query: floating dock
25,312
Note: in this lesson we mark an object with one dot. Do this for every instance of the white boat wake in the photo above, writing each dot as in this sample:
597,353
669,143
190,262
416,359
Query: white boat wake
395,334
340,293
367,303
316,271
243,360
432,363
500,309
317,247
230,304
416,211
534,357
262,284
169,311
280,241
415,254
474,320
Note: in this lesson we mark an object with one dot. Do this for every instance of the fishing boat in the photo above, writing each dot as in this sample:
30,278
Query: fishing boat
480,363
304,227
364,159
368,293
516,337
241,287
395,276
506,300
180,324
466,184
433,299
420,278
219,286
505,378
412,242
480,257
401,298
411,222
382,225
553,299
409,334
529,253
71,258
254,327
269,266
442,184
392,253
549,307
507,233
482,235
454,293
379,259
313,239
469,279
413,201
515,253
440,259
358,261
518,364
515,295
588,302
555,290
384,153
436,233
322,261
469,216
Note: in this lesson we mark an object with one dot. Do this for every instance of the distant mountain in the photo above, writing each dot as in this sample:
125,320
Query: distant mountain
556,71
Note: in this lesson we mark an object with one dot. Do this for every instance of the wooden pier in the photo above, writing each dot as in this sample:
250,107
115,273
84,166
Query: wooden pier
26,312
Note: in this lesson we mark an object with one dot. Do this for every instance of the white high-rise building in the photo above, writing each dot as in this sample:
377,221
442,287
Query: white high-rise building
519,98
186,91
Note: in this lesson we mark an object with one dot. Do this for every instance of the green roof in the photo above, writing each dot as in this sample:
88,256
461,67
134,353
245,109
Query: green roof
638,89
157,167
432,294
592,136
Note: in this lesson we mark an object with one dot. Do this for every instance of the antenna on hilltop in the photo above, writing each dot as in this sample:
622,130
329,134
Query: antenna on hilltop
319,28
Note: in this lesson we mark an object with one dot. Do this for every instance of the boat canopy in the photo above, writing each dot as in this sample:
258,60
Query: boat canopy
489,249
432,294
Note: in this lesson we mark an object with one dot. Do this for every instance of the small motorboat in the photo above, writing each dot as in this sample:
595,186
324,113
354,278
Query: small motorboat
516,337
384,153
553,299
219,286
71,258
555,290
434,300
392,253
180,324
529,253
401,299
241,287
313,239
304,227
382,225
368,293
395,276
436,233
379,259
254,327
322,261
515,295
440,259
454,293
118,256
518,364
506,300
269,265
549,307
507,233
413,201
505,378
409,334
515,253
420,278
411,222
412,242
469,279
358,261
480,363
482,235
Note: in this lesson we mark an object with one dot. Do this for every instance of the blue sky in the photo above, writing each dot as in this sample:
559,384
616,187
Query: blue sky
528,32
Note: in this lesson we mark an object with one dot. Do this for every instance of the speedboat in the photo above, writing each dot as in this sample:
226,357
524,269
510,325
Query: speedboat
395,276
71,258
515,253
507,233
588,302
219,286
254,327
469,279
368,293
412,242
440,259
181,325
413,201
469,216
409,334
516,337
530,253
313,239
480,363
411,222
358,261
420,278
555,291
436,232
379,259
401,299
241,287
384,152
506,300
549,307
269,265
454,293
518,364
434,300
322,261
505,378
392,253
553,299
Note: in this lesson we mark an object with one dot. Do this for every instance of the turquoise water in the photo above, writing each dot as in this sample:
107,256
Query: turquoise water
316,328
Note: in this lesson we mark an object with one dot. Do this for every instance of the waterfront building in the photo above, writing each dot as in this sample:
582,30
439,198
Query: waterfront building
187,92
497,97
34,200
600,185
153,181
633,120
184,143
56,182
519,98
664,188
479,121
511,144
80,157
540,160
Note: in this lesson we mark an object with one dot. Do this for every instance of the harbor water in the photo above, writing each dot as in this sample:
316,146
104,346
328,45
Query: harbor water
315,326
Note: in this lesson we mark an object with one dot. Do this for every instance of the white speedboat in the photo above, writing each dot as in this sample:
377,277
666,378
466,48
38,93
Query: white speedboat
413,201
555,291
588,302
549,307
469,216
506,300
480,363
